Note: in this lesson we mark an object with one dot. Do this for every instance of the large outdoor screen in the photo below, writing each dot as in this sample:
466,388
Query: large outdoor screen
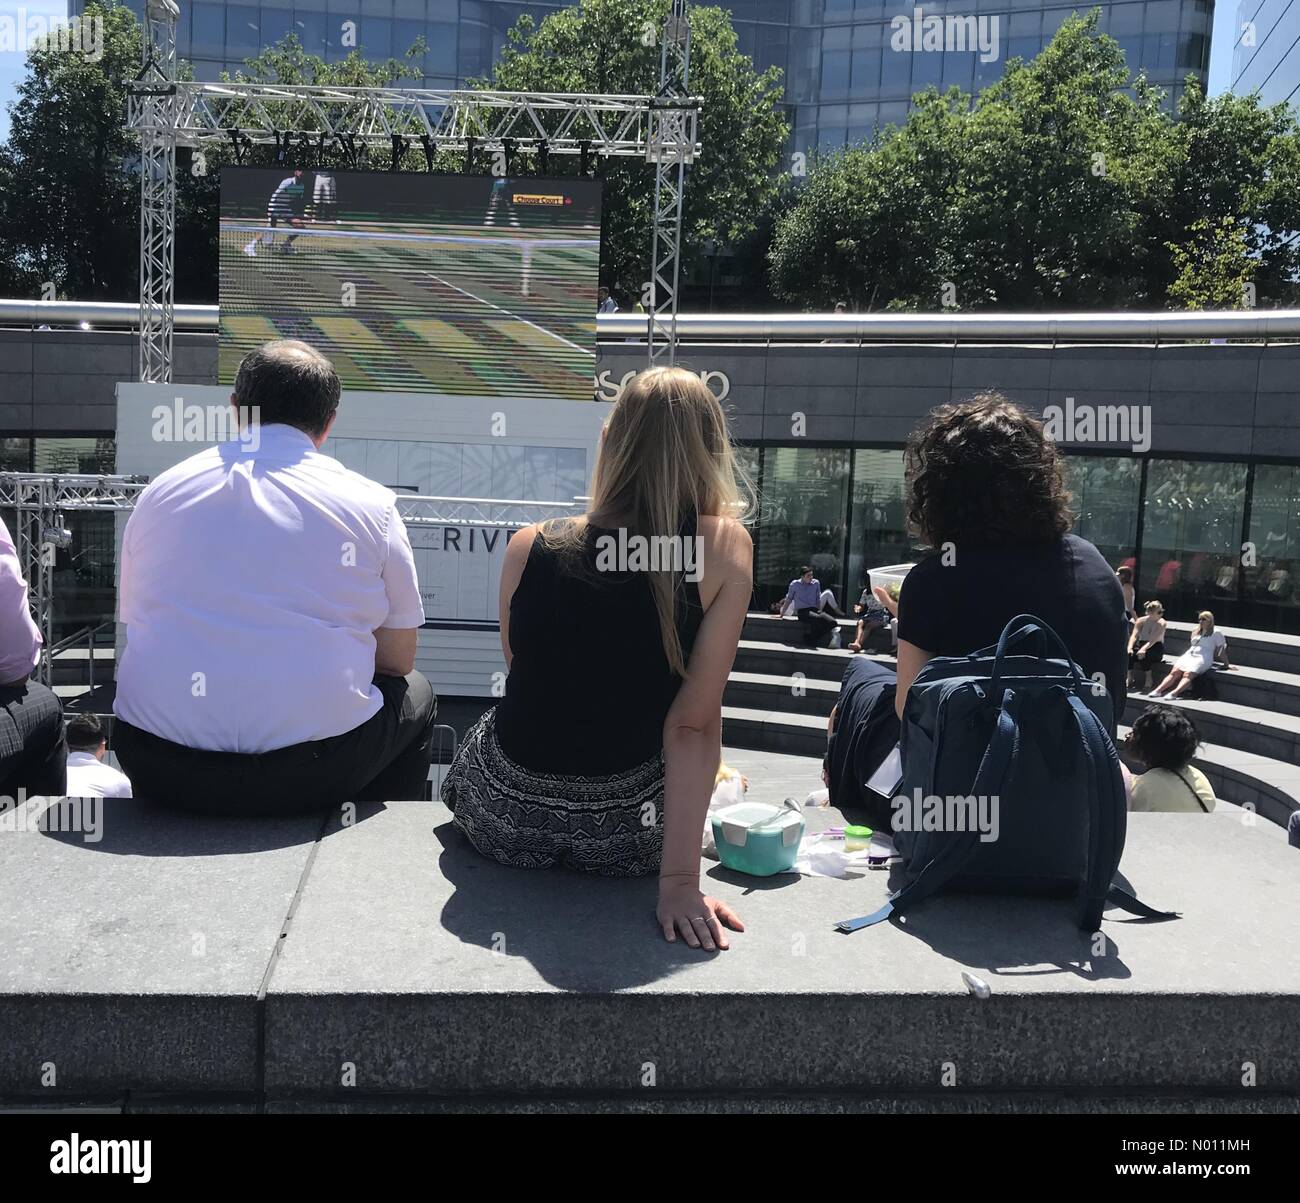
463,285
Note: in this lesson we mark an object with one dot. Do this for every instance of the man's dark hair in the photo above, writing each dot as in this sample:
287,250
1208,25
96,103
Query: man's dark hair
85,733
1164,738
288,382
984,472
805,570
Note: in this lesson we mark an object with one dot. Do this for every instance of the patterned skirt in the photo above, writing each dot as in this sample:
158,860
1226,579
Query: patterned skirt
607,825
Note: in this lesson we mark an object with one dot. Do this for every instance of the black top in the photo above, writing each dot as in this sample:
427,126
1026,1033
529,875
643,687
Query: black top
589,685
956,609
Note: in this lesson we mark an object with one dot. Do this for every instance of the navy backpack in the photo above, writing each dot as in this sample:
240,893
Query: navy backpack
1024,738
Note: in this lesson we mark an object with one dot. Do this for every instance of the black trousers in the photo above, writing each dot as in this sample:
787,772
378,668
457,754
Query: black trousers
384,760
817,624
33,750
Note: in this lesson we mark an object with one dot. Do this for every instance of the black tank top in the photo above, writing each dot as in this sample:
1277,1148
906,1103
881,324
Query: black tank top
589,684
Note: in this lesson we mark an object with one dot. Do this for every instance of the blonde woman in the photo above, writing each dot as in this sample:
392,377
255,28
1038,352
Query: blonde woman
1208,649
1146,646
603,751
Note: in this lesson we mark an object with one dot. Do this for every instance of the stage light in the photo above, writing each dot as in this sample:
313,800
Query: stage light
83,325
58,537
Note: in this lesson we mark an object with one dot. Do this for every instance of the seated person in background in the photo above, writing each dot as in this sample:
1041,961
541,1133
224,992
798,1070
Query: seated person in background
1208,648
606,762
272,608
987,493
1146,646
32,751
874,617
807,600
1125,575
1165,740
88,775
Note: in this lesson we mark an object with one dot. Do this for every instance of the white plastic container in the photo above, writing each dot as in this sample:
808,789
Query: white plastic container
890,574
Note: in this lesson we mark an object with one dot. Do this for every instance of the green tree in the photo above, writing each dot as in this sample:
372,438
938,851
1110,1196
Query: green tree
1056,188
612,46
69,208
1213,266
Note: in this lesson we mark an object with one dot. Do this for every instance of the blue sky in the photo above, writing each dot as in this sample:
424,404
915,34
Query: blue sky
11,63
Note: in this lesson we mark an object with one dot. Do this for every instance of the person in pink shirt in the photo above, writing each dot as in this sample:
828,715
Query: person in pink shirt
33,751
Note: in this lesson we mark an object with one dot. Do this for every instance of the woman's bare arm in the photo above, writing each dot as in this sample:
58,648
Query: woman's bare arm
693,740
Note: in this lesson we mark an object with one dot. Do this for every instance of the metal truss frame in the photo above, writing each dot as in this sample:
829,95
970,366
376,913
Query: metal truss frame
305,120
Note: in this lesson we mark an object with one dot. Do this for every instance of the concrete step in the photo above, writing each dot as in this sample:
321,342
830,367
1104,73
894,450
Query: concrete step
1271,786
1256,649
1242,728
774,731
777,659
1268,650
1260,688
385,941
787,694
72,665
768,629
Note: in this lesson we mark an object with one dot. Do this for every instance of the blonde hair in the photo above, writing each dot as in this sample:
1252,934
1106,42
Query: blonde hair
1154,605
1202,616
666,454
725,773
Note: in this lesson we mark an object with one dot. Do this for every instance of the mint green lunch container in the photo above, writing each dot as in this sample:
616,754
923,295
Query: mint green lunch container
754,838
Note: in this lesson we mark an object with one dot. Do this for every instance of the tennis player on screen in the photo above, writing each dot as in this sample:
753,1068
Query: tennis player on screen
286,207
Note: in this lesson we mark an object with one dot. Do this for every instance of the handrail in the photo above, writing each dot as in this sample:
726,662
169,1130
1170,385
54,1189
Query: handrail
87,631
1145,327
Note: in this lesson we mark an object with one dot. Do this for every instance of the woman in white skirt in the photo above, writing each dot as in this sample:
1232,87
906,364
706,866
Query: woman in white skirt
1208,649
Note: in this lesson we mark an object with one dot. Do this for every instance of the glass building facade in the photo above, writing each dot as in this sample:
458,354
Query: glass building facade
1215,535
1266,54
843,78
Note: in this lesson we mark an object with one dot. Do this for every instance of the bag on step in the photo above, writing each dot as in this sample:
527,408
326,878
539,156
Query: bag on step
1011,783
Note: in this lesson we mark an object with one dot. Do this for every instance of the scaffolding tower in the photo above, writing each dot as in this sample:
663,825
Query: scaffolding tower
308,120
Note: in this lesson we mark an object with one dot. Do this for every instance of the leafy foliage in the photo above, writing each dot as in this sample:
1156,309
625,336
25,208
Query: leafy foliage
1056,188
612,46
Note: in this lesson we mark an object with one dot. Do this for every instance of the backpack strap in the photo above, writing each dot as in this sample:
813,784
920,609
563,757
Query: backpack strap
1199,800
995,767
1106,825
1106,818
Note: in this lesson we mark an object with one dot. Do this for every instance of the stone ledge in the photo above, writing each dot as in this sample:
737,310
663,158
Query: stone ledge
439,975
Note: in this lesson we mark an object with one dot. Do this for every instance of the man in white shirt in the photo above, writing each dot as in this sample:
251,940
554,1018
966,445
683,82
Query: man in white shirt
272,607
88,775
